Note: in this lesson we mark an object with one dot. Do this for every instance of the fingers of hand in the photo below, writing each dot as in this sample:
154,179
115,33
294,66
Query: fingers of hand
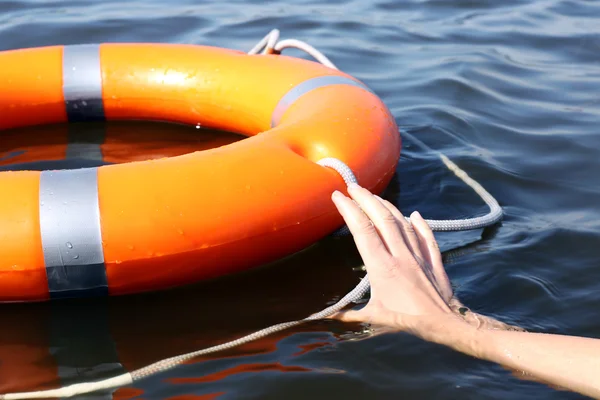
349,316
383,219
366,237
371,315
432,253
408,234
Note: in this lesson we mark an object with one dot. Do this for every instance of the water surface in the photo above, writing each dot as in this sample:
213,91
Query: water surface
509,90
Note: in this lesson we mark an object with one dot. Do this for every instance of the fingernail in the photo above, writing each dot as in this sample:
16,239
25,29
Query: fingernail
353,186
380,199
416,214
336,195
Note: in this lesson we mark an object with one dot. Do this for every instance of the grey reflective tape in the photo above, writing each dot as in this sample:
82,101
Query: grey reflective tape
71,235
301,89
82,83
84,141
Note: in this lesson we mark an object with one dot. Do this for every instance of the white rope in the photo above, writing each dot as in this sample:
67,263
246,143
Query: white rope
348,177
268,45
493,216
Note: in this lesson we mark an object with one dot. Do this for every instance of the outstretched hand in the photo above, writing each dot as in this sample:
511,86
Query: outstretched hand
402,259
410,291
404,263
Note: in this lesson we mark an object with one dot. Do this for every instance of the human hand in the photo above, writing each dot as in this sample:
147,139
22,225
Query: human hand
404,264
410,291
402,259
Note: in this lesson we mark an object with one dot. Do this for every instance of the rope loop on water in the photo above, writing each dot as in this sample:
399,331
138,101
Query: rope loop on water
270,44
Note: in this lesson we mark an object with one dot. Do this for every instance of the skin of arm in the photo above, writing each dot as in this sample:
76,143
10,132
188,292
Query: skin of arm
570,362
411,292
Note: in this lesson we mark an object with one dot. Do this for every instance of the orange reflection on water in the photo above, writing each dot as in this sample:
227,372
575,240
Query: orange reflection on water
239,369
307,348
127,393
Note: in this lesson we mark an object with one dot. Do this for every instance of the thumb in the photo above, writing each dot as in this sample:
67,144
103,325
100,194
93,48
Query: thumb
350,316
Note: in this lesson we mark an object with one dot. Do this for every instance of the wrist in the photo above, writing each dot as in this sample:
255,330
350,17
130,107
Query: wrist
479,321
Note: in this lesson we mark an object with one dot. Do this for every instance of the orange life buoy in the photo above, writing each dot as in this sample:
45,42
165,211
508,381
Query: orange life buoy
150,225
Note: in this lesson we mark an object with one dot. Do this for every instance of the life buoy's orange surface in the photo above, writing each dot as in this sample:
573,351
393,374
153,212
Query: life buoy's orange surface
150,225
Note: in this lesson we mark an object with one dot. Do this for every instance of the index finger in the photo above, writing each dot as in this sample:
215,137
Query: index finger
369,243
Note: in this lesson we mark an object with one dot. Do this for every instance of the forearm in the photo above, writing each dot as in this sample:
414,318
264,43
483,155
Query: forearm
567,361
570,362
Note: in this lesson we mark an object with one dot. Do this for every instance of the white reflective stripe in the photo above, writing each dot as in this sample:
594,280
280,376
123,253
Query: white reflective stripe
301,89
82,83
71,235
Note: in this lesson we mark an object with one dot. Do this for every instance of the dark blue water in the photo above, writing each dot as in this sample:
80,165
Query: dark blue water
509,90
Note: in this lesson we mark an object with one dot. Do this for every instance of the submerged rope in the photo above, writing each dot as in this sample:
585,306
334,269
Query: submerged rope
268,45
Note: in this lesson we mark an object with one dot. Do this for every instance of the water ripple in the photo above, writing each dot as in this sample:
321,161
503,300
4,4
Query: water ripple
509,90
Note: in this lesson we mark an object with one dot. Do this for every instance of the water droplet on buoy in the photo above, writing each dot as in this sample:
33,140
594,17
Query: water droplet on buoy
130,247
180,231
198,125
118,261
69,245
76,256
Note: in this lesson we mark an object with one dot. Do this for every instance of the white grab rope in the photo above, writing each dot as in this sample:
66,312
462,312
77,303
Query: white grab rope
493,216
268,45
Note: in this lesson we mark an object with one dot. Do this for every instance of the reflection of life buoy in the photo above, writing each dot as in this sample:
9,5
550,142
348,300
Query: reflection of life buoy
150,225
10,155
69,146
53,344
